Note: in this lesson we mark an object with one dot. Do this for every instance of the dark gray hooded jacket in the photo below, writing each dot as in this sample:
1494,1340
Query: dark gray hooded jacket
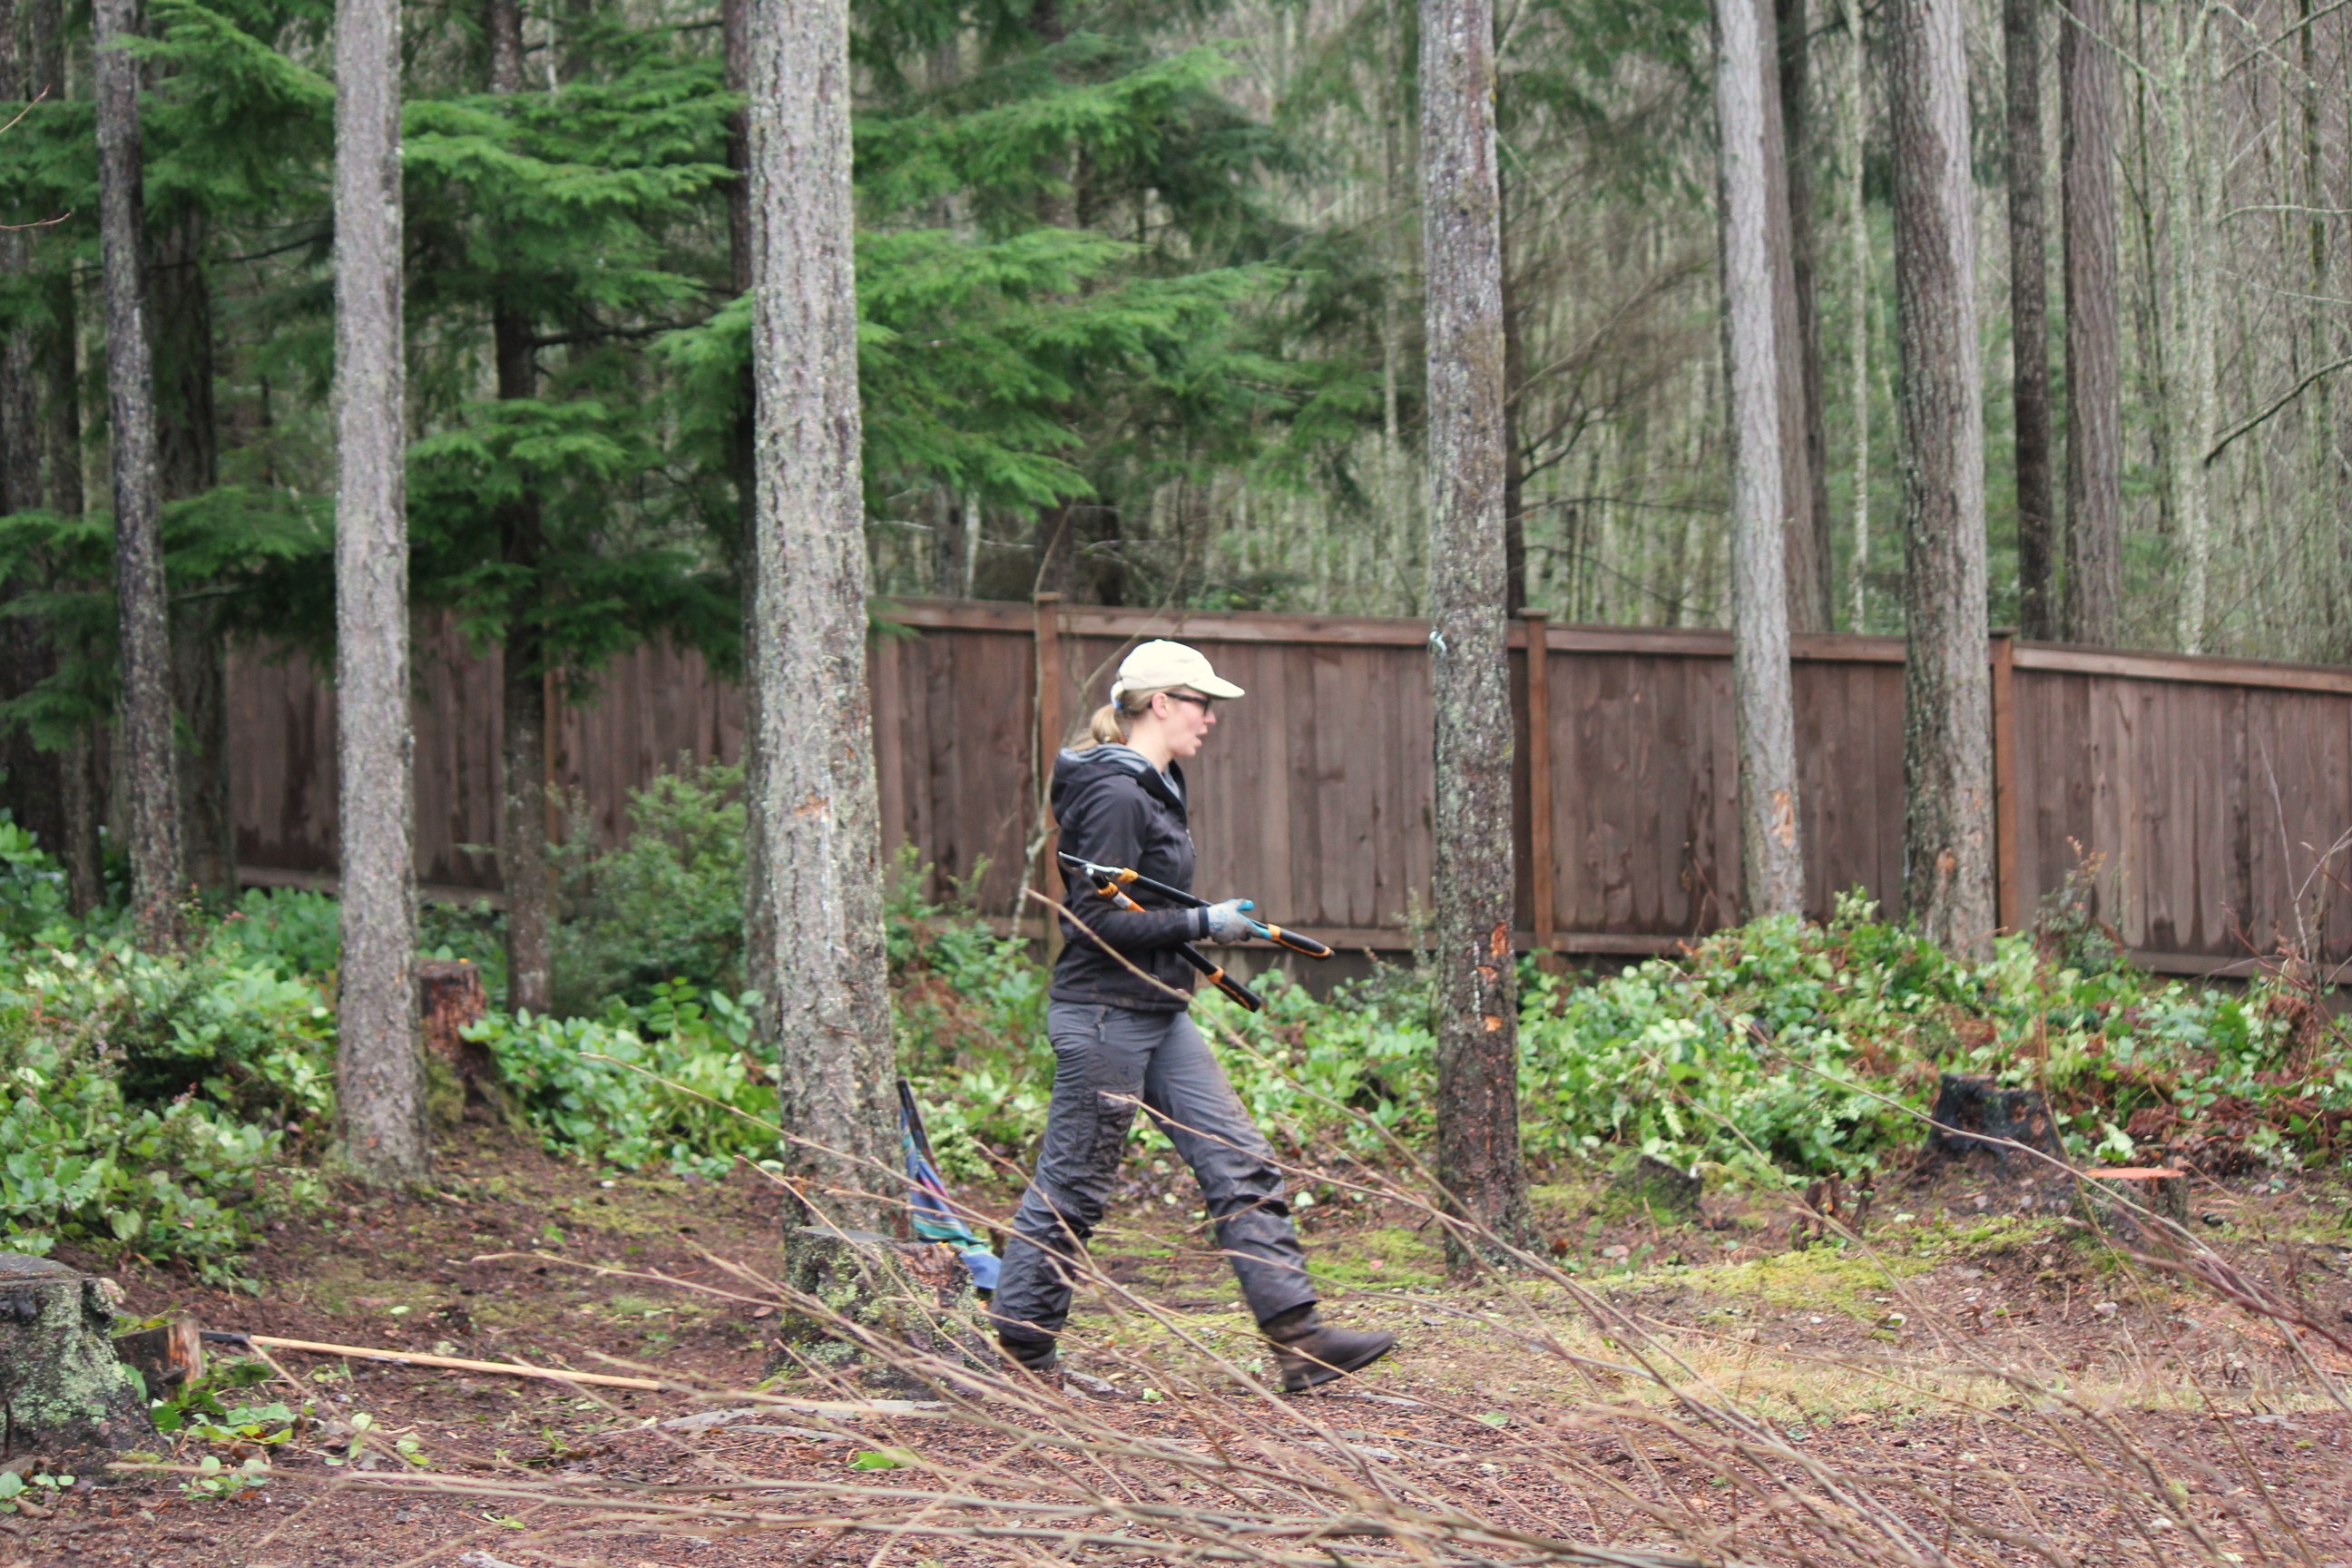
1116,809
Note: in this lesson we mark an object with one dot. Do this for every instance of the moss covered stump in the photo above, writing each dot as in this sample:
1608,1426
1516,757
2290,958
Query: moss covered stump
913,1296
61,1386
1667,1194
1975,1115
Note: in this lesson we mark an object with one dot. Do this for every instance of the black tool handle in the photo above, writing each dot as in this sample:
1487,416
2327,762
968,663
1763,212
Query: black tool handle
1125,876
1211,970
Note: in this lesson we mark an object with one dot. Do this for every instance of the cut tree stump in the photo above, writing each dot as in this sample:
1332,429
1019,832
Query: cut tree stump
450,994
1975,1115
168,1356
62,1388
2109,1196
917,1294
1666,1192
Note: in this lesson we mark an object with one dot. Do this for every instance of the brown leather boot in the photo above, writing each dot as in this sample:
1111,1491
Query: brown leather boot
1311,1351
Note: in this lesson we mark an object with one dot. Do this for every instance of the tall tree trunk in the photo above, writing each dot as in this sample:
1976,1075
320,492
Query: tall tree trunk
2029,293
502,25
1947,698
1794,52
1478,1162
30,776
819,834
1852,115
1807,609
1515,380
380,1069
145,755
2323,550
2094,363
1763,703
81,789
378,1072
187,460
735,43
2193,389
525,872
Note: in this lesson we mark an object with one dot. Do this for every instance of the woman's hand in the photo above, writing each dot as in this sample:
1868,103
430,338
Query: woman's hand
1226,924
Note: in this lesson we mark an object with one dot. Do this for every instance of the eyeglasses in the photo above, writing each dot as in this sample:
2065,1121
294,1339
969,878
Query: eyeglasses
1206,704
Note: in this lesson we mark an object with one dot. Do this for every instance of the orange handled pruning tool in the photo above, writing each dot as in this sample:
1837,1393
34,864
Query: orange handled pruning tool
1127,877
1211,970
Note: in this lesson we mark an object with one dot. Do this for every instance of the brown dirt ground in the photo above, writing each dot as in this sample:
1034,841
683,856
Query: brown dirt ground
1881,1362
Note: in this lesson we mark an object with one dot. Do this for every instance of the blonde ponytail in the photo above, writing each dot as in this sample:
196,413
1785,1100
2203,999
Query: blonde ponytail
1109,726
1106,728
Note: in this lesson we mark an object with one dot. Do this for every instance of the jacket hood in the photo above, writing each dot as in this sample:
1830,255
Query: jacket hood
1074,769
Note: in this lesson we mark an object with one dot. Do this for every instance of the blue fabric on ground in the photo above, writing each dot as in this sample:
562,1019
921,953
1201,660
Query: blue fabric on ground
928,1204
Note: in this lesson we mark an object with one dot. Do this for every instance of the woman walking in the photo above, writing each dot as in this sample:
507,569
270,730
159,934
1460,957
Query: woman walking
1117,1015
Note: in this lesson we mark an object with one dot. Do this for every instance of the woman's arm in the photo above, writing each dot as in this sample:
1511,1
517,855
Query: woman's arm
1105,824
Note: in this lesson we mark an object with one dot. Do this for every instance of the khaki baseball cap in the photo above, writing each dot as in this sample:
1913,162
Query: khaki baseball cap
1157,666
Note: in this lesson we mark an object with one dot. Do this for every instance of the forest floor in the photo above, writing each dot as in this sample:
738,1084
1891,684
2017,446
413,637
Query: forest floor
2168,1422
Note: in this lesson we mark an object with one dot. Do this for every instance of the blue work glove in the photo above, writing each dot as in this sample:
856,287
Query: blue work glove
1224,923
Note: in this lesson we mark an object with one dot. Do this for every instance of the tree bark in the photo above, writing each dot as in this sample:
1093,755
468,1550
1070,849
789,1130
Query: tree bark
1810,512
820,831
145,755
85,807
31,776
502,24
1478,1163
80,791
2029,292
1514,378
1764,709
1806,612
187,461
525,873
2191,389
380,1070
2094,365
1947,702
735,43
1852,117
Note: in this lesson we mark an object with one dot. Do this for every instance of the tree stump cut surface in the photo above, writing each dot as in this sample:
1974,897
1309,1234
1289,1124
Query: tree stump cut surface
61,1386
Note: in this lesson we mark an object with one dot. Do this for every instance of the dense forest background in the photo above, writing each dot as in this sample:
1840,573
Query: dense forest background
1141,319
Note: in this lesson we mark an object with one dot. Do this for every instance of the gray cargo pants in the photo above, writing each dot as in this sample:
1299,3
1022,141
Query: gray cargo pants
1106,1060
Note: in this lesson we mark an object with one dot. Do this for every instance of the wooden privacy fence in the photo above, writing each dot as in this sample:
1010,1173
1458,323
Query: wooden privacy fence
2209,790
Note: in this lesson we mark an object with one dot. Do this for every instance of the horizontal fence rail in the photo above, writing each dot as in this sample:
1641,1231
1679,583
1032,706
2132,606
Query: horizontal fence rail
2199,798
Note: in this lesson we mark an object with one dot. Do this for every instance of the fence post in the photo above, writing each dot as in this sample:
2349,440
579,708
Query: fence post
1540,883
2009,890
1049,608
